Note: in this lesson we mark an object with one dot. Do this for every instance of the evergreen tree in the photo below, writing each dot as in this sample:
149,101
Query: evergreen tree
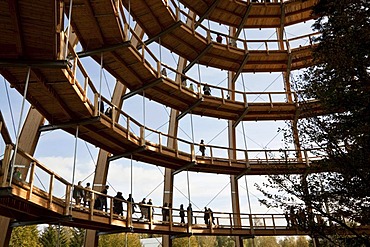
78,237
206,241
340,81
114,240
180,242
25,236
224,241
51,236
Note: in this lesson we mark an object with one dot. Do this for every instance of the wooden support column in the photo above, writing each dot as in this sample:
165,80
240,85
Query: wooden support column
171,143
6,231
101,172
232,155
102,166
28,140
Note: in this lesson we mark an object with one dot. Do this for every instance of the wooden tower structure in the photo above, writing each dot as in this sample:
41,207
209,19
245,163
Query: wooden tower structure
42,52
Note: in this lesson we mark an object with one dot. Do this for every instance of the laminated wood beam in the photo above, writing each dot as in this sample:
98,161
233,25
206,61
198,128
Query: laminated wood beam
209,10
241,24
57,64
139,90
240,118
190,108
4,130
191,164
103,49
197,58
69,124
168,30
245,59
116,157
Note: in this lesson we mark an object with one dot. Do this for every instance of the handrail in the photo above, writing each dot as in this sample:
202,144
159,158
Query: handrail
282,154
153,214
232,41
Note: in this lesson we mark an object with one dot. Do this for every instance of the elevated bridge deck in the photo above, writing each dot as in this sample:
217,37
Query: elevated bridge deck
28,204
249,14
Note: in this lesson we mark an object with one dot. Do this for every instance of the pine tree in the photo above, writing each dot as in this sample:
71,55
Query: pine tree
51,236
78,237
114,240
340,81
25,236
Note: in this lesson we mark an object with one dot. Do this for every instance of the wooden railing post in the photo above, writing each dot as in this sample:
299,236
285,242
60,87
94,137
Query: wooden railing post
51,188
192,151
273,223
128,128
266,156
86,82
32,179
142,135
68,199
211,153
96,104
92,205
190,220
231,221
6,164
111,210
129,214
306,157
170,220
251,224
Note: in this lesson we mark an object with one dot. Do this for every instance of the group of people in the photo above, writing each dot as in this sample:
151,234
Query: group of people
295,218
208,216
81,194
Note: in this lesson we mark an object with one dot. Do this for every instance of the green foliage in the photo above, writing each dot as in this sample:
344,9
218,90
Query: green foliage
180,242
51,236
294,242
114,240
206,241
341,83
78,237
25,236
261,242
225,241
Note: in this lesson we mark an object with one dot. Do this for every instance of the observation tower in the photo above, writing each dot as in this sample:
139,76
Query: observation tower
142,82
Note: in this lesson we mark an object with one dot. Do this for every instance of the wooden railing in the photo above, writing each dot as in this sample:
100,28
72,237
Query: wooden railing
238,43
42,184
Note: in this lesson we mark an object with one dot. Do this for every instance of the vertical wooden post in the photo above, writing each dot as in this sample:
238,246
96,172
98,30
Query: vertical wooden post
51,188
96,104
111,210
92,205
67,200
128,128
142,135
6,164
31,182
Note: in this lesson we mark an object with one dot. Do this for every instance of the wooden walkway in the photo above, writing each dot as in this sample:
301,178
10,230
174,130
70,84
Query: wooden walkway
245,14
167,22
55,91
52,204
